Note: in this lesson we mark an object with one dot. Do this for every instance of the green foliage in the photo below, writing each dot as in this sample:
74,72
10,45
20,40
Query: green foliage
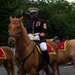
7,8
59,15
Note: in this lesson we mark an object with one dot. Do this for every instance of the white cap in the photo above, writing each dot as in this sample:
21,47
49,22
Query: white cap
33,9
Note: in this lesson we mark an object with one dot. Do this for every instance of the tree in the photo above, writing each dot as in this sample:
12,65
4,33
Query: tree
7,8
59,15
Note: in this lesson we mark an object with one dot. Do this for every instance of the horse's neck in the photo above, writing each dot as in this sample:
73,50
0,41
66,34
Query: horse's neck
24,43
23,38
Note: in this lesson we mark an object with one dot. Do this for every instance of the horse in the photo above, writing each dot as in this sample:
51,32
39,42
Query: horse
28,58
7,59
68,55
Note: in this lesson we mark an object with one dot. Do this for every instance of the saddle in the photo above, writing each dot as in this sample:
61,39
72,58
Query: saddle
43,63
62,45
2,54
49,48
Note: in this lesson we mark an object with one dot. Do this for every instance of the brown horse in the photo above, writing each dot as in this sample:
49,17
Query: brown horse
27,54
8,61
68,55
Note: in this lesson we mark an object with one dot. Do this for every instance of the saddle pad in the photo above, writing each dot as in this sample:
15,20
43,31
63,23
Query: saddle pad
50,49
62,46
2,54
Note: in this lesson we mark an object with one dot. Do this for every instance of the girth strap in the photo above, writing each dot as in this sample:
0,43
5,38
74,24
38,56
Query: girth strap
23,60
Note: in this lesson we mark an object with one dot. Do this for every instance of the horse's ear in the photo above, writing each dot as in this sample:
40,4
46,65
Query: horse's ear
21,18
10,17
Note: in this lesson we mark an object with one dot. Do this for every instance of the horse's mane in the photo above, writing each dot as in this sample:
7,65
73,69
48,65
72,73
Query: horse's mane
23,35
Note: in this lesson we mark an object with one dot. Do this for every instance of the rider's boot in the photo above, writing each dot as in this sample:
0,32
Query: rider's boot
47,59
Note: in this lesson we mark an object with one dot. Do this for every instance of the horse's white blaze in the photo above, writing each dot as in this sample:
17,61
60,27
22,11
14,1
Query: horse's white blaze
13,25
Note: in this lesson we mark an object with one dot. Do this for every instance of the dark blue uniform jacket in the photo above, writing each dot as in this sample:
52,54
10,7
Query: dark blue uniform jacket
38,28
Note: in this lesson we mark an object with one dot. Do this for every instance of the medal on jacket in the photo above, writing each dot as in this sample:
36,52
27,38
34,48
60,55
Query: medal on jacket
38,24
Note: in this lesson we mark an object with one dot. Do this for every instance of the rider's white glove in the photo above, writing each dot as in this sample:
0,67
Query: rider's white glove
36,37
30,35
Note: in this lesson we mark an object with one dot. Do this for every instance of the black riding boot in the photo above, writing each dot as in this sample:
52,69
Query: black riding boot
46,57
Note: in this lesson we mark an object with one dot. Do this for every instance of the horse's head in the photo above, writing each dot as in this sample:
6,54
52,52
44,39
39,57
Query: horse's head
14,30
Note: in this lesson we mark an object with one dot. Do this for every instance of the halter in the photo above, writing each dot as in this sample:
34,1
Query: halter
16,36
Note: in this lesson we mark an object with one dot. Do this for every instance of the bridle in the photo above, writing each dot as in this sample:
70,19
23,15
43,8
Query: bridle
16,36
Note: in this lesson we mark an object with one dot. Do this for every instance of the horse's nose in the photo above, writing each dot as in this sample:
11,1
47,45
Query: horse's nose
11,43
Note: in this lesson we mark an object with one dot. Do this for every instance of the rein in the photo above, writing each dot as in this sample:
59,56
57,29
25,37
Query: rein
23,47
23,60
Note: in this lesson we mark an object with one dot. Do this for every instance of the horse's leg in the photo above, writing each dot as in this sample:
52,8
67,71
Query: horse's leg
73,61
33,71
54,66
58,70
12,67
7,66
45,69
20,69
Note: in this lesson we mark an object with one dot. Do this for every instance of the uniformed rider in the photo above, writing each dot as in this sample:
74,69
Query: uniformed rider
37,30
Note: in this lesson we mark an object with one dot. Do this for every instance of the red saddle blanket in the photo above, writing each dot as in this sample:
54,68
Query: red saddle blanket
62,46
49,47
2,54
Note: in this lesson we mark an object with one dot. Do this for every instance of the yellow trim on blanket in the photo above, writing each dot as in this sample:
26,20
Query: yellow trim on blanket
38,49
4,54
64,46
52,49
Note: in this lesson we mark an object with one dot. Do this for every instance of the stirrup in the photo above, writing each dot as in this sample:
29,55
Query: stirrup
49,69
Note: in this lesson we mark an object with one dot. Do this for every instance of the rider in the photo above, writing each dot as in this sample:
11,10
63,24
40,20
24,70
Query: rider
37,29
56,40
